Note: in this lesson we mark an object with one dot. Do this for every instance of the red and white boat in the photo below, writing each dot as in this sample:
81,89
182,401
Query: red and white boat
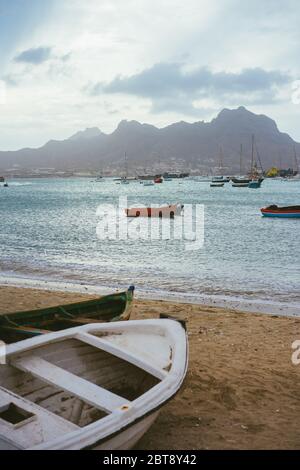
282,212
162,211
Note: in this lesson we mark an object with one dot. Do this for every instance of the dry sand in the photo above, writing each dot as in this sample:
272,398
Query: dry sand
241,391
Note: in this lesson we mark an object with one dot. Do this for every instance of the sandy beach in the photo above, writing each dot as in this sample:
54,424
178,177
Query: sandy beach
241,391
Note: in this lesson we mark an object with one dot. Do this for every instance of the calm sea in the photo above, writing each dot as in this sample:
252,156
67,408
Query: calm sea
48,232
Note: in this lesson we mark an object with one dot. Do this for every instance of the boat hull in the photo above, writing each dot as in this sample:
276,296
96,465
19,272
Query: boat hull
254,185
291,212
128,438
282,215
22,325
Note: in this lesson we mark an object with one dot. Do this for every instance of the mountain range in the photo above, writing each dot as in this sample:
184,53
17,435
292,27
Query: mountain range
187,145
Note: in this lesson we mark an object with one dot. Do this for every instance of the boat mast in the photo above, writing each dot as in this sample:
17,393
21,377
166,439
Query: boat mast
241,159
296,160
252,156
126,166
221,161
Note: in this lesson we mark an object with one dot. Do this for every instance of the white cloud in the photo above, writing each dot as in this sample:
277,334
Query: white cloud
96,41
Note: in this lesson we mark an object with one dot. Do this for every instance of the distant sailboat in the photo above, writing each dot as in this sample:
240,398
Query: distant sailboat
217,181
256,180
240,182
296,177
125,179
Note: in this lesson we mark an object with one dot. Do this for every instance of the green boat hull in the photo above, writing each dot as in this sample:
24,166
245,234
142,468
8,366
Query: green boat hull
22,325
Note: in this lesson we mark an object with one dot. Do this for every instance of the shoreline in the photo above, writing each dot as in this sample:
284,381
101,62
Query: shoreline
241,390
254,305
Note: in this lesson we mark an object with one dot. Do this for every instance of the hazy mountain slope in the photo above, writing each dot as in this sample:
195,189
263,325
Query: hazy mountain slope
197,144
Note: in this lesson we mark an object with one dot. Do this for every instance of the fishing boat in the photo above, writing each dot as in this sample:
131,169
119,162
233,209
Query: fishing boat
95,387
162,211
283,212
22,325
158,180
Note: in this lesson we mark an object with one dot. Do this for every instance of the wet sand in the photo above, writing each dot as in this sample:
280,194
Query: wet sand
241,391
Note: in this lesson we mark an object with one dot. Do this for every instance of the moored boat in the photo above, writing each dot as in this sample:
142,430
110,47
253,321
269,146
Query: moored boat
22,325
220,179
240,185
254,184
283,212
162,211
245,181
217,185
92,387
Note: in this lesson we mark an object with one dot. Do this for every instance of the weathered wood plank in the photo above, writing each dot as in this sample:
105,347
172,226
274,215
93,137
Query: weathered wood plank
88,392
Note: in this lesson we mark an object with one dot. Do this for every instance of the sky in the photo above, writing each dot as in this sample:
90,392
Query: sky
67,65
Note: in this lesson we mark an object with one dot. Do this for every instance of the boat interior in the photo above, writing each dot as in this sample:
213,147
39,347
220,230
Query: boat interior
62,386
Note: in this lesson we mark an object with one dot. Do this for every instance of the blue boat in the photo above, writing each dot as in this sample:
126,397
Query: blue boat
254,184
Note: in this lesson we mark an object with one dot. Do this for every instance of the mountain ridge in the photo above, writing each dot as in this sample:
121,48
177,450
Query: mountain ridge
191,145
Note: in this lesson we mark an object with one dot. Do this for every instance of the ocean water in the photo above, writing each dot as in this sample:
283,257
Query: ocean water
48,232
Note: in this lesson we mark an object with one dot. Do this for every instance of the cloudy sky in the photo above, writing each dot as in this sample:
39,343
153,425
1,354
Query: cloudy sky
71,64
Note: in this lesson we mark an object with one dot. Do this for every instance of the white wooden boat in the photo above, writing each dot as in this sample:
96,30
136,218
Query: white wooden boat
99,386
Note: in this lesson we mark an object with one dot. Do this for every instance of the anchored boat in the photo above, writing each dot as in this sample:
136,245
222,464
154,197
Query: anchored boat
283,212
22,325
91,387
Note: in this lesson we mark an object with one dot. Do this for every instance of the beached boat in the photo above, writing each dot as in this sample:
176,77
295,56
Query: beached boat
283,212
22,325
163,211
93,387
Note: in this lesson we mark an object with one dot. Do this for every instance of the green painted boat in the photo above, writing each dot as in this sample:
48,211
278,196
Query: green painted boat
23,325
